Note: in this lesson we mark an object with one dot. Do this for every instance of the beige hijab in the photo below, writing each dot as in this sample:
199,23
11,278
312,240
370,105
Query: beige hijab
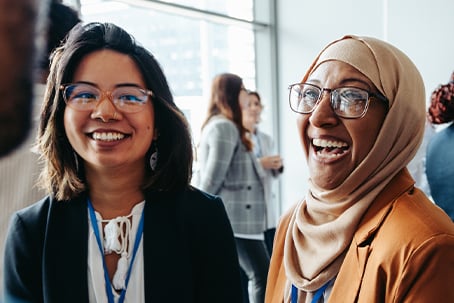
322,226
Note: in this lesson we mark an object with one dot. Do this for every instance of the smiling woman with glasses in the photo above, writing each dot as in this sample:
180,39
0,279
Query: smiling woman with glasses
363,232
121,222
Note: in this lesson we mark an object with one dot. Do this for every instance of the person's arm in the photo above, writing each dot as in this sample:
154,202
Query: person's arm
222,139
270,161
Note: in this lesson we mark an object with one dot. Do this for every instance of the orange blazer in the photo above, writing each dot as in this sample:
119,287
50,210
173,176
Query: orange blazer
402,251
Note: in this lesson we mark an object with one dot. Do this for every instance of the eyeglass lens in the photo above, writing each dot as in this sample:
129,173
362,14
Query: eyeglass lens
347,102
86,97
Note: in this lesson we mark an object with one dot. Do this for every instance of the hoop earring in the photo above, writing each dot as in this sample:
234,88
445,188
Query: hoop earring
154,159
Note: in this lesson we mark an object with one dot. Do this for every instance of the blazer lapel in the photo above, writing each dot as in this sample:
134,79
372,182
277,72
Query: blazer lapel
159,251
66,252
167,266
257,167
348,281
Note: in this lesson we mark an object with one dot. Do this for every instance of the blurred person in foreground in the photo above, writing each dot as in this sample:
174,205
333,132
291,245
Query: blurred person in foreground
363,232
21,25
19,170
264,150
440,149
229,168
121,222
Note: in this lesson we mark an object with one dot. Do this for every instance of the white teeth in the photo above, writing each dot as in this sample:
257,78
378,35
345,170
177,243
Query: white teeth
322,143
328,143
108,136
321,154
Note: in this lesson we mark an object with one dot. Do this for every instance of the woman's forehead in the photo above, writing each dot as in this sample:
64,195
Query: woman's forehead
340,73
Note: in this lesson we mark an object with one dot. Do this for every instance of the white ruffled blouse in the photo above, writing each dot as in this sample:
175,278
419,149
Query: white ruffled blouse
118,236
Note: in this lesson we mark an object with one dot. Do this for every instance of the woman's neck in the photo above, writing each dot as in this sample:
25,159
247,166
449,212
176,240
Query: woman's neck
114,194
250,126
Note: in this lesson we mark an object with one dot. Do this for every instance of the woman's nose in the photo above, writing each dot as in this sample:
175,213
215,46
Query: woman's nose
105,110
323,114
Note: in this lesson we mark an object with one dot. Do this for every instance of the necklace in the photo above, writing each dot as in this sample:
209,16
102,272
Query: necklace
94,224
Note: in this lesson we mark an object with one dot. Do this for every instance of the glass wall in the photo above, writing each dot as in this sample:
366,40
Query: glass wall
192,39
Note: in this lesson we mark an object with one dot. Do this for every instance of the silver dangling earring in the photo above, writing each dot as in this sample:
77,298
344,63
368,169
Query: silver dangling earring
154,159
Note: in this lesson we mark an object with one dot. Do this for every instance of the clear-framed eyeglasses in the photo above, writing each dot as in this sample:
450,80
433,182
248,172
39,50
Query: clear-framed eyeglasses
347,102
85,97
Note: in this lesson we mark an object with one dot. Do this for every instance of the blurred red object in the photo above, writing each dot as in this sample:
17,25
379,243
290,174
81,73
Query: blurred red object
441,109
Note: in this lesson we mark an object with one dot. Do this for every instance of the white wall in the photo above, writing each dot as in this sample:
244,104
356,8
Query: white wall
420,28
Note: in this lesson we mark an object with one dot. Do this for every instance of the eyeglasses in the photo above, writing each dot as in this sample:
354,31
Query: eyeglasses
85,97
346,102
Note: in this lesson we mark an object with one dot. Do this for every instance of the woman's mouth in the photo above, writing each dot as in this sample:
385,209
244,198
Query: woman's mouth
329,149
107,136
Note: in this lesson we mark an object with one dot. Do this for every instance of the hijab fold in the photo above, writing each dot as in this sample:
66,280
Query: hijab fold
322,226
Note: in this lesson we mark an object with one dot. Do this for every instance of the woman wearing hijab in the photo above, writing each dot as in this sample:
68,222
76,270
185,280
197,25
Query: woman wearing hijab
363,232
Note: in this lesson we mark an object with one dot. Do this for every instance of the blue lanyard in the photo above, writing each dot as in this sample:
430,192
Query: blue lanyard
94,224
317,296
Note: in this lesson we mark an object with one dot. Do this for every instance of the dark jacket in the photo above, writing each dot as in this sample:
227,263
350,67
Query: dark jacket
189,251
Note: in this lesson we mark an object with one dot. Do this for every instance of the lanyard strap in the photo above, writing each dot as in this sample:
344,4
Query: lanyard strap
317,296
94,224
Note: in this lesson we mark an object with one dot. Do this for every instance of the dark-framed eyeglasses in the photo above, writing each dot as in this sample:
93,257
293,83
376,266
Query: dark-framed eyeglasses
85,97
347,102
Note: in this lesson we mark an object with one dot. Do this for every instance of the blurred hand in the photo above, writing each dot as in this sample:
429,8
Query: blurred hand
271,162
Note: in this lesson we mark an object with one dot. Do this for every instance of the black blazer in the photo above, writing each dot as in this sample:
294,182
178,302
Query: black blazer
189,251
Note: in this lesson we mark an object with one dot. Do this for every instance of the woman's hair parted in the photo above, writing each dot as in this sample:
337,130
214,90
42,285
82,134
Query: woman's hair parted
63,173
224,100
441,109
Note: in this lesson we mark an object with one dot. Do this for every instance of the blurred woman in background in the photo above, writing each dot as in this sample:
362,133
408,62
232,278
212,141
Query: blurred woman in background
229,168
264,150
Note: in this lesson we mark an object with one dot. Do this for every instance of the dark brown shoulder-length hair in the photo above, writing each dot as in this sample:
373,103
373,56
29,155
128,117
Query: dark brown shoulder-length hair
63,174
224,100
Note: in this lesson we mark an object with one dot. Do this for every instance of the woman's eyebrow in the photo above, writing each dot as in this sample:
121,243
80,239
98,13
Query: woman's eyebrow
128,84
115,86
346,81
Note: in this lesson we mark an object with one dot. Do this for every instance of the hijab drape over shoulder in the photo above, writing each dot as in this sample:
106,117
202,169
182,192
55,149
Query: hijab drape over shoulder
315,245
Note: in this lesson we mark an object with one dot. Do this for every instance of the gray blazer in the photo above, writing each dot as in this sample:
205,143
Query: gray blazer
227,169
266,146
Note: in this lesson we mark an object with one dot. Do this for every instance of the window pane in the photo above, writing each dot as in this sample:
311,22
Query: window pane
242,9
191,51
